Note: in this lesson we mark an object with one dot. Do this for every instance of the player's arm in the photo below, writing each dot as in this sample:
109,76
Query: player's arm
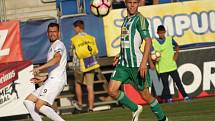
73,54
143,65
72,48
117,58
151,63
38,79
175,57
55,60
142,27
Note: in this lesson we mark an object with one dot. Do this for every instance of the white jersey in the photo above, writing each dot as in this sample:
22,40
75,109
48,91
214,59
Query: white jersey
58,71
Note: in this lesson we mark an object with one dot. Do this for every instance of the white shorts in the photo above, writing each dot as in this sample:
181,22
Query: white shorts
51,88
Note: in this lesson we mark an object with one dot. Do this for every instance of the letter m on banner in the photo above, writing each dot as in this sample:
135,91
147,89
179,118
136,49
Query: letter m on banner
10,43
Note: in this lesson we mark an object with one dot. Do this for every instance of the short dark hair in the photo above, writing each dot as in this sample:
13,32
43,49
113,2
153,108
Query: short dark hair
79,23
161,28
54,25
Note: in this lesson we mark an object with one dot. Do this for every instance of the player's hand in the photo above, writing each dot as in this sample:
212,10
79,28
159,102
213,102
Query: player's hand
36,71
35,80
38,79
143,69
115,60
175,57
152,66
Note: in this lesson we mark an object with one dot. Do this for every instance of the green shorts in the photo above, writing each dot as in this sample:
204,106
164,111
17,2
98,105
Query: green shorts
131,75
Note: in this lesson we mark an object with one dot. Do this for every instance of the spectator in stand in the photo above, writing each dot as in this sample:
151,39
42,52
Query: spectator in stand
84,51
118,4
148,2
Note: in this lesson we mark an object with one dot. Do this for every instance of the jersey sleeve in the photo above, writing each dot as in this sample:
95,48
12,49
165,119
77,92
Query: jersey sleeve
174,43
59,48
142,27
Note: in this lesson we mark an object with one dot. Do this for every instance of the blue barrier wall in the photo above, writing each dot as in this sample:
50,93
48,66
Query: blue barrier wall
93,26
35,42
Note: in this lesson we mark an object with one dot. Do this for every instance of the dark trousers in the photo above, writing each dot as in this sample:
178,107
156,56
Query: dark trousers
175,76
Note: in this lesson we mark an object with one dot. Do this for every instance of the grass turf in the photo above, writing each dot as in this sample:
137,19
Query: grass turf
196,110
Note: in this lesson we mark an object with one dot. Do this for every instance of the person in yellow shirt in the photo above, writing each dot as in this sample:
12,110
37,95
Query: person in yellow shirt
84,51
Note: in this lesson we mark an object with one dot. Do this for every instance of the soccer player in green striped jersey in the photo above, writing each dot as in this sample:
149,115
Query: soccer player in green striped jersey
131,63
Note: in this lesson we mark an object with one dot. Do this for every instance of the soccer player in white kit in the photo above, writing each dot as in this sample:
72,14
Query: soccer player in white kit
41,99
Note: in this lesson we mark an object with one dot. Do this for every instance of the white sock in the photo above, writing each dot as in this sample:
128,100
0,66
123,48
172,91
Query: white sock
30,106
49,112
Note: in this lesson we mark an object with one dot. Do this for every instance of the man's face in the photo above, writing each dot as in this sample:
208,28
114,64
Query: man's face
132,6
77,29
161,34
53,34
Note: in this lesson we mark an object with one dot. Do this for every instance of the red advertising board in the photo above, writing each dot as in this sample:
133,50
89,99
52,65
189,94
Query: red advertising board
15,85
196,69
10,42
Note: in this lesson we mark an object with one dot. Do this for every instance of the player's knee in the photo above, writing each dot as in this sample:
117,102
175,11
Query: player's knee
29,97
38,105
146,95
26,102
112,93
90,88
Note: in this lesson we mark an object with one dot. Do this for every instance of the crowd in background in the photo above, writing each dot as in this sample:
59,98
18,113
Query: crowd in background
120,3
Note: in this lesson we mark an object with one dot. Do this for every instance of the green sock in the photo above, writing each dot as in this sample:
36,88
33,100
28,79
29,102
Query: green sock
156,109
124,100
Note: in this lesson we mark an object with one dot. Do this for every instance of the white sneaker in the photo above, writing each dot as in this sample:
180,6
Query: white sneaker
75,104
135,115
166,119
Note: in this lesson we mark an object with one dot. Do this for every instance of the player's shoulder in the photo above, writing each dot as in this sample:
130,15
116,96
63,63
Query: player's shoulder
75,37
140,16
169,37
90,36
59,43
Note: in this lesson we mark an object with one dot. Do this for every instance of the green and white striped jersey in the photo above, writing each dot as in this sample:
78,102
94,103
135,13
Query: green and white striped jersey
133,31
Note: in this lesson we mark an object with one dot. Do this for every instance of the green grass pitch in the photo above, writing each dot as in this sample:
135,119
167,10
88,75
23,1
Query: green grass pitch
202,109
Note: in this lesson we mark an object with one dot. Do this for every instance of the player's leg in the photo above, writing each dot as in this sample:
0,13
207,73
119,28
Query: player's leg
155,106
177,80
78,92
118,77
79,78
43,107
166,92
29,103
146,95
89,79
90,97
49,92
114,92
